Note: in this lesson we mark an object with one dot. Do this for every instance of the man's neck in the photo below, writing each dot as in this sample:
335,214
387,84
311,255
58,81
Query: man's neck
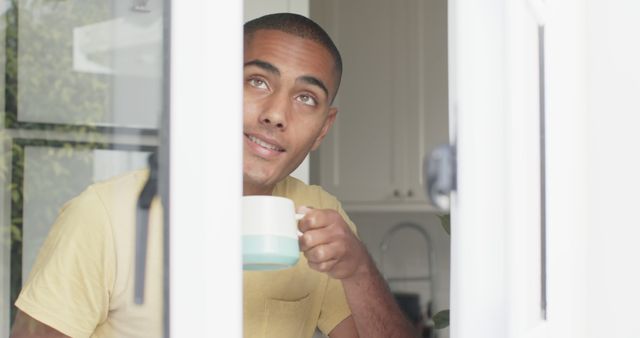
250,189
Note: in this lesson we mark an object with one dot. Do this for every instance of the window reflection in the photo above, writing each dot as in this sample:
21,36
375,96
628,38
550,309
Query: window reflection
82,98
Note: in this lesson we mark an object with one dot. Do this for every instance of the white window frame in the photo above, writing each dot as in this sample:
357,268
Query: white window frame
205,168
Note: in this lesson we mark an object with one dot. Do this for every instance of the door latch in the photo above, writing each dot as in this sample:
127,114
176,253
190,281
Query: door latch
439,173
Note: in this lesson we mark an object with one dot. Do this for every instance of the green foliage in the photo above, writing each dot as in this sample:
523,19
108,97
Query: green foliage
445,221
441,320
41,83
40,77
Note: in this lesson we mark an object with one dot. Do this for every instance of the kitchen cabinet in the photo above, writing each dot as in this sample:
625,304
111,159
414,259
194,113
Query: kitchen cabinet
392,102
257,8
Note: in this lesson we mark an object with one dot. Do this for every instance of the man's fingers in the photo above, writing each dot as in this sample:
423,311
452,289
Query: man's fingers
323,266
303,209
323,253
312,238
313,219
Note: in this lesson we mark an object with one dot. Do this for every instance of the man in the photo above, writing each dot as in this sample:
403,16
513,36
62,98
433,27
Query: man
292,72
81,284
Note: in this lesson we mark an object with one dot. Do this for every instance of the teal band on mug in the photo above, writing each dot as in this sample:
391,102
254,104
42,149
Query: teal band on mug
265,252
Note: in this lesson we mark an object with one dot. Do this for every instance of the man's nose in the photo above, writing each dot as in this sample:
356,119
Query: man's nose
275,114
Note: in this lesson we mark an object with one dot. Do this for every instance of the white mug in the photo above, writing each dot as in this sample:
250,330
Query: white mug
269,233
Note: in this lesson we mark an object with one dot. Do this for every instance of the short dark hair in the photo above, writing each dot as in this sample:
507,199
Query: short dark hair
300,26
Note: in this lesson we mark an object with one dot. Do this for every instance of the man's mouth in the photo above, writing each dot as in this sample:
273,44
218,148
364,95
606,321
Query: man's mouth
264,144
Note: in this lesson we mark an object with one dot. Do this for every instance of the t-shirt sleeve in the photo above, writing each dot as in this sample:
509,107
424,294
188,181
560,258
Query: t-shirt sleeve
347,219
71,281
334,307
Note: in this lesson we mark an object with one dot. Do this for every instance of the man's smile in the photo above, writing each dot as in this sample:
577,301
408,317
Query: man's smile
263,146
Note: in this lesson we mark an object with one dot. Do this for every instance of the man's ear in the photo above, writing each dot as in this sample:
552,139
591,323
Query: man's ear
331,118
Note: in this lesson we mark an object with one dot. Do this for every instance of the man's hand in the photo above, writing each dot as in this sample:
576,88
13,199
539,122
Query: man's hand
330,246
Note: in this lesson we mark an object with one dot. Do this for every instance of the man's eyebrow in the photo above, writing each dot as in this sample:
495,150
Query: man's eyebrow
314,81
263,65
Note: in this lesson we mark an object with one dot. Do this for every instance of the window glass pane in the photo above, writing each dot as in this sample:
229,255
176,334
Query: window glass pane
81,91
88,62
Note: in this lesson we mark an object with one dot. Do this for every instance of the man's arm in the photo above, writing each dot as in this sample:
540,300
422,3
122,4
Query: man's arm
346,329
331,247
26,326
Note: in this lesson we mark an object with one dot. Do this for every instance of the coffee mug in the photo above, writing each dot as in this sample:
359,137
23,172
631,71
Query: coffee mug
269,233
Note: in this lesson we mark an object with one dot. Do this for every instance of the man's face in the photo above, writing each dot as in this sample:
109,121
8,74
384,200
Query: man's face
288,83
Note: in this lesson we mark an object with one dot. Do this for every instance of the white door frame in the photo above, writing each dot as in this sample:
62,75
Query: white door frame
488,296
205,168
476,44
496,288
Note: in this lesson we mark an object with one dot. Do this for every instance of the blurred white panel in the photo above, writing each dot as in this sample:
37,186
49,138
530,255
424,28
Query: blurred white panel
206,186
479,219
614,167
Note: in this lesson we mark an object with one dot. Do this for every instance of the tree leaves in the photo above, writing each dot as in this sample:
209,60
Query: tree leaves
441,320
445,221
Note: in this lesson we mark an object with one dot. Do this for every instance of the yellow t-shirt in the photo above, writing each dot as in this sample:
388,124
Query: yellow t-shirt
293,302
82,281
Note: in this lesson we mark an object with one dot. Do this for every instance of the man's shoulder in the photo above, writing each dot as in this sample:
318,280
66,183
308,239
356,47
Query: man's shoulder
116,193
305,194
127,184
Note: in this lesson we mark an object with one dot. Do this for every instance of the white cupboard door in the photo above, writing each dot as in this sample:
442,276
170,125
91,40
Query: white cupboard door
359,159
392,101
257,8
427,122
499,223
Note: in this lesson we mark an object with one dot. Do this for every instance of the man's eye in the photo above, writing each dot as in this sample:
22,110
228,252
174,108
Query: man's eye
308,100
258,83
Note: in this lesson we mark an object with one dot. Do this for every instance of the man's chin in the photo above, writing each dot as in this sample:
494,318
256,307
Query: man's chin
258,184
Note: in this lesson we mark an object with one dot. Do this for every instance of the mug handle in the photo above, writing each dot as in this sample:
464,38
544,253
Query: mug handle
299,217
